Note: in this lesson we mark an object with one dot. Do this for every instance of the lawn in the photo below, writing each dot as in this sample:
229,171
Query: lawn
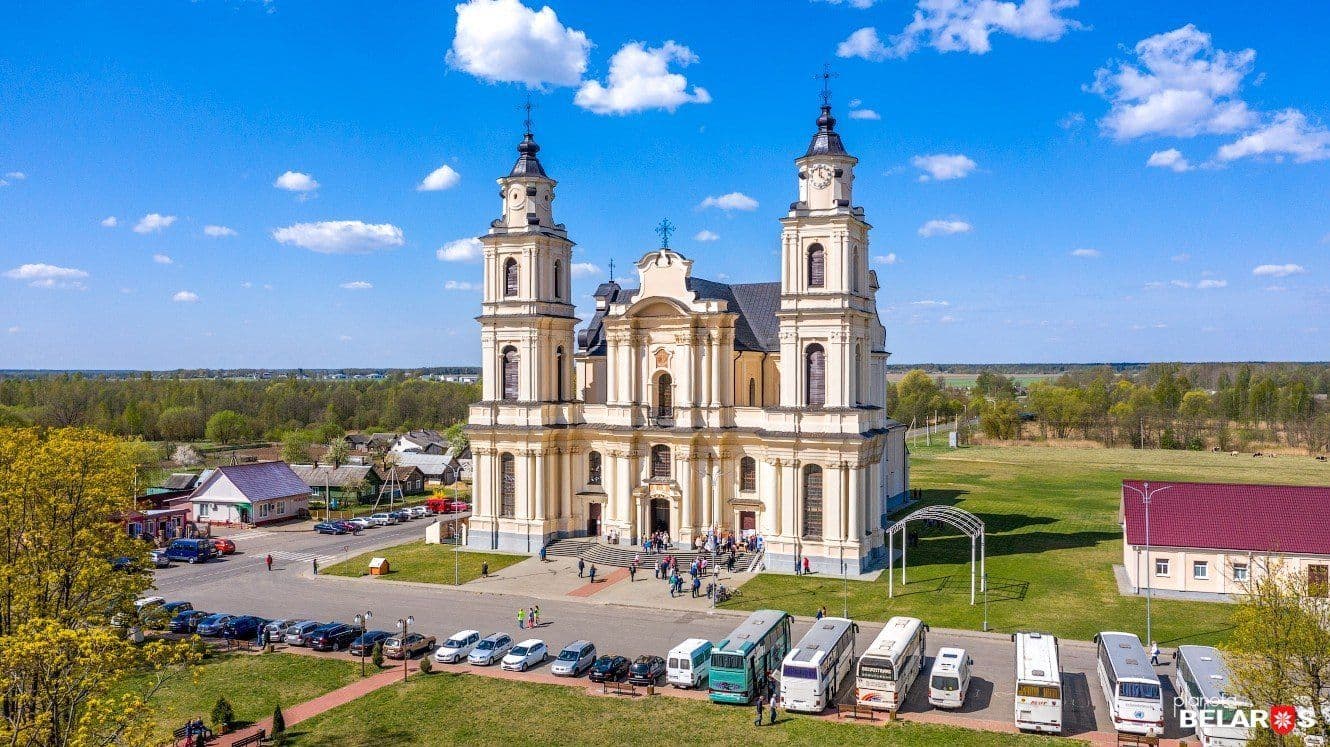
432,564
252,684
453,708
1053,537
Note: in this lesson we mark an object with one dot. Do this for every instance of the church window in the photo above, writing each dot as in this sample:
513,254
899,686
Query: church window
509,363
859,374
560,361
507,485
510,277
815,370
558,280
854,271
664,396
660,461
817,266
812,513
593,468
752,392
747,474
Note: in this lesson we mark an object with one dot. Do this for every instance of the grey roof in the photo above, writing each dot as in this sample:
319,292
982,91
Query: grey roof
401,472
433,465
181,481
320,475
527,163
756,329
259,481
826,141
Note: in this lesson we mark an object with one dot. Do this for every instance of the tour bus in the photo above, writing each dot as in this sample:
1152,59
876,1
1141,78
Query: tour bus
739,664
889,666
1135,698
811,675
1038,683
1202,679
687,664
950,678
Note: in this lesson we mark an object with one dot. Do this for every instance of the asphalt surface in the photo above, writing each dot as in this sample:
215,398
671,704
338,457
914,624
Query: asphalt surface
240,584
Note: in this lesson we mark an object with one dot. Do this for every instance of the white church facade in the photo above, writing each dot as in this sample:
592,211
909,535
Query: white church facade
685,404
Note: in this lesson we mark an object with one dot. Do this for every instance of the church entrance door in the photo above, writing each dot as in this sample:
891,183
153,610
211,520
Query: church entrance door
747,521
660,515
593,520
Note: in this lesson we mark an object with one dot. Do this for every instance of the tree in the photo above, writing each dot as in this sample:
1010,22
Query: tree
186,456
456,436
180,423
223,715
228,427
1001,420
278,720
376,656
338,452
295,447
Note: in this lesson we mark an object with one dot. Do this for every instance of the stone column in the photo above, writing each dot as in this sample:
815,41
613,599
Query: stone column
540,496
855,531
566,483
625,490
704,356
685,478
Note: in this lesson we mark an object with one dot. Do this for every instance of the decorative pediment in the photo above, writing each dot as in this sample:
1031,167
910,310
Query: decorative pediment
663,276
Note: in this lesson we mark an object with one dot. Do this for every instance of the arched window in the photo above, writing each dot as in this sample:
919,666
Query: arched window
752,392
593,468
747,474
664,396
660,461
859,373
510,277
558,280
508,375
854,270
817,266
812,513
559,378
815,375
507,485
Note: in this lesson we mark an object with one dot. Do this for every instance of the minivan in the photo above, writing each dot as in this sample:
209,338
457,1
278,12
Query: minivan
950,678
490,650
575,658
688,663
457,647
191,550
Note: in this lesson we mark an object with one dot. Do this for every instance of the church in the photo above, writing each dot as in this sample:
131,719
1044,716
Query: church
687,405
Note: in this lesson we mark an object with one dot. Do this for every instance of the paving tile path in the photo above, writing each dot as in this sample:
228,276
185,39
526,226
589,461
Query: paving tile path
604,582
311,708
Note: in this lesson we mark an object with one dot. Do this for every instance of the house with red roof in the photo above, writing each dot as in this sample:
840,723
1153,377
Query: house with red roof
1212,538
255,493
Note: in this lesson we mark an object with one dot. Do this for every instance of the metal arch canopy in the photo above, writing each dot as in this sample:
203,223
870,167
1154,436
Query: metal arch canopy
963,520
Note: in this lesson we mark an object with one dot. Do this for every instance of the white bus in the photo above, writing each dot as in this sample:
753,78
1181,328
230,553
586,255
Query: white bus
1038,683
889,666
1131,687
811,674
1202,679
688,663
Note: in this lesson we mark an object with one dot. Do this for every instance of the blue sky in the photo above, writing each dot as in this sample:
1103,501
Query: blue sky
1047,181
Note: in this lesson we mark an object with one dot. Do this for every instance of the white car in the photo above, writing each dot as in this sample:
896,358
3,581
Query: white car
490,649
457,647
361,522
382,520
418,512
526,654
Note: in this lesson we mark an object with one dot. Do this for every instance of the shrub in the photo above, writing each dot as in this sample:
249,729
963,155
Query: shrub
222,714
278,720
377,656
425,665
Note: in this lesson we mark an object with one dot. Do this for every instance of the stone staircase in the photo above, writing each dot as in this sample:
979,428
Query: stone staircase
616,556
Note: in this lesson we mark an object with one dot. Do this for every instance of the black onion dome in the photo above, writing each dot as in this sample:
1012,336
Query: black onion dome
527,163
827,141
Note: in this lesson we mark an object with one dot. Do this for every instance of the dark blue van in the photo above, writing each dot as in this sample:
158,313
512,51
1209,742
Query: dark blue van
191,550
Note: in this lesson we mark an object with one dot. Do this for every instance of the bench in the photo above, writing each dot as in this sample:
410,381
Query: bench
1137,740
189,731
254,738
854,710
619,688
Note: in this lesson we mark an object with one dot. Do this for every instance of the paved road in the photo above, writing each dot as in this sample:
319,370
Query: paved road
241,585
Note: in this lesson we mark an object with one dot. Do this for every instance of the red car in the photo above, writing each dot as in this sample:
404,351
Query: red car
449,506
223,545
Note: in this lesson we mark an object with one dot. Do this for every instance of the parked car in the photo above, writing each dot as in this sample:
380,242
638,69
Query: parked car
187,621
574,659
191,550
124,564
332,637
243,628
172,608
490,649
160,559
647,670
454,506
363,645
223,546
383,519
418,512
609,668
328,527
348,526
275,629
401,515
211,626
296,634
523,656
360,522
457,647
413,645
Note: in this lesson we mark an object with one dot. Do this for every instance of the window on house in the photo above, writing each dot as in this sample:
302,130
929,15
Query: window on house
593,468
1240,572
203,510
510,277
817,266
507,485
660,461
281,507
812,509
1161,566
815,370
1200,570
748,474
509,362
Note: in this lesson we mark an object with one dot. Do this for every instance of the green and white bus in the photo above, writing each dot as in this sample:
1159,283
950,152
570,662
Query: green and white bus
739,664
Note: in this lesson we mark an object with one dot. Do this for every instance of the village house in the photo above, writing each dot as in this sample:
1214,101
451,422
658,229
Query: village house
257,493
343,485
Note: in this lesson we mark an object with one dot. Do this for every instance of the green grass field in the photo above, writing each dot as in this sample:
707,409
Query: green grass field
1053,537
254,685
432,564
453,708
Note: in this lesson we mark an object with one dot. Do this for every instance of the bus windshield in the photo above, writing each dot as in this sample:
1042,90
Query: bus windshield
727,661
799,673
876,669
1139,690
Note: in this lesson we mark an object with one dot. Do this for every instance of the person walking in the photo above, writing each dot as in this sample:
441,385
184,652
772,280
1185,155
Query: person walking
485,569
775,699
697,586
798,567
632,572
535,616
1154,654
593,573
758,721
269,559
316,566
521,618
820,614
544,550
807,566
581,567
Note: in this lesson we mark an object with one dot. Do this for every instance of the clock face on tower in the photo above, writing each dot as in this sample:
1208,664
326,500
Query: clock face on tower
820,175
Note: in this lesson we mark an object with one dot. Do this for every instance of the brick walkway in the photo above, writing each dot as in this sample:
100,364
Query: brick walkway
311,708
609,579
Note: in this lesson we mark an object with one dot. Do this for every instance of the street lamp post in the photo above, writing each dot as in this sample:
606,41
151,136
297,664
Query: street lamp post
363,621
404,625
457,568
1146,495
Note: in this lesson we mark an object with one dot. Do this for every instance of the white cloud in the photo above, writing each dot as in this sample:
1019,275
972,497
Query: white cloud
246,284
1278,271
344,338
731,201
930,302
705,235
185,297
868,114
947,319
1209,283
340,236
218,231
154,223
17,176
460,285
1169,159
1154,285
943,166
461,250
1275,288
886,259
503,41
162,259
584,270
1288,133
863,43
14,330
860,4
296,181
357,285
439,179
967,25
110,221
1085,253
944,228
1180,283
41,275
1072,121
640,79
